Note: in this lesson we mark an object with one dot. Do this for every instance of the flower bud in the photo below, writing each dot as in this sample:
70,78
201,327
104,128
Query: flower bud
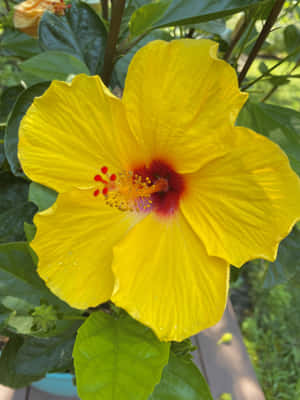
27,14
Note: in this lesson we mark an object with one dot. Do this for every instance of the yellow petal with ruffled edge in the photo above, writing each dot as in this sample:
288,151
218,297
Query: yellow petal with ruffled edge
166,280
244,203
176,96
74,244
71,131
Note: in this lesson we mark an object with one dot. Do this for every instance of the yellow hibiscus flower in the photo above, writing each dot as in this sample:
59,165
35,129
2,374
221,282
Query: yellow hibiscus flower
27,14
158,192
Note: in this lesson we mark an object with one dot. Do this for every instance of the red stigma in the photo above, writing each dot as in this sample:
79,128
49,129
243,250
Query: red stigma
164,203
113,177
104,170
96,192
99,178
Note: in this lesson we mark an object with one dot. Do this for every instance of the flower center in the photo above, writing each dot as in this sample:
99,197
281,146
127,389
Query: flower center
156,188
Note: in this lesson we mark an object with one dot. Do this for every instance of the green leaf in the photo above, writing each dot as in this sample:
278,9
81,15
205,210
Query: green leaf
80,33
181,380
182,12
263,68
2,153
11,135
145,17
41,355
4,315
14,208
30,231
291,36
52,65
287,263
117,358
7,100
42,196
27,359
216,27
20,323
21,289
8,365
280,124
183,349
18,44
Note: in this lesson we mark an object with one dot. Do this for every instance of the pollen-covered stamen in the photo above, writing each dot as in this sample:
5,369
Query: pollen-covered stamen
157,188
133,193
128,191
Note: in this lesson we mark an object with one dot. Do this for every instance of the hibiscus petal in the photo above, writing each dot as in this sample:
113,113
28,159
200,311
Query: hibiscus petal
166,280
71,131
244,203
176,96
74,243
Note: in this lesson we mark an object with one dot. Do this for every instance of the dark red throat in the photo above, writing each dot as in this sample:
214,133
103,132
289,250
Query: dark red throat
164,203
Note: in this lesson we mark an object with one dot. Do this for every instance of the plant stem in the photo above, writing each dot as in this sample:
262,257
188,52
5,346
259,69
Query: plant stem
113,34
269,94
249,31
261,38
124,48
236,38
271,69
274,88
7,5
104,6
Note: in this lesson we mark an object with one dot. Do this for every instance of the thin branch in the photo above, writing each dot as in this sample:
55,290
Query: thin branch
7,5
297,50
126,47
113,34
104,5
269,94
261,38
274,88
245,43
236,38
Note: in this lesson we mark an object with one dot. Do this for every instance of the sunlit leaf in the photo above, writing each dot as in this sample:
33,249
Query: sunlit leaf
116,358
181,380
182,12
42,196
51,65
